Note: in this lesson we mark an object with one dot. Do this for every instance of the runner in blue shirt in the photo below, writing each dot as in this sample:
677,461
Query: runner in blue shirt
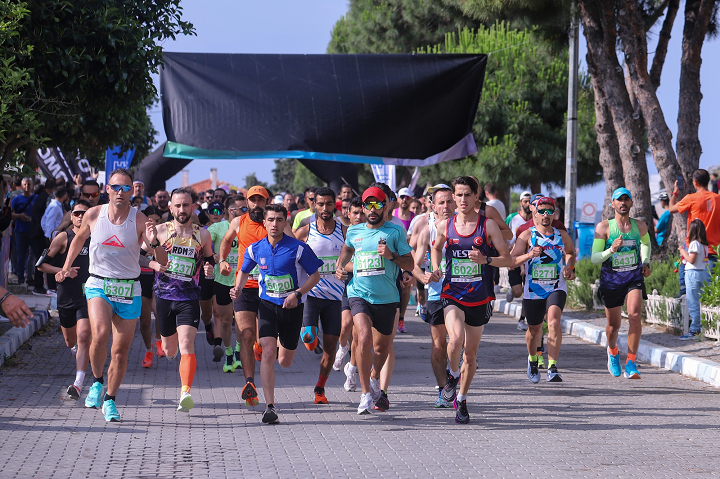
288,270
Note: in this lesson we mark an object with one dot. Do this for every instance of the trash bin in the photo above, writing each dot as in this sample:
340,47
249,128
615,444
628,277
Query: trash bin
586,234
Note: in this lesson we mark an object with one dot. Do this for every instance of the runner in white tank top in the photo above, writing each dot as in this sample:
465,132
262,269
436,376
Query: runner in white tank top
115,231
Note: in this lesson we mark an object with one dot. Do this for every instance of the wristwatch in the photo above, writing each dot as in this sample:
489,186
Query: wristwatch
394,257
156,244
298,294
489,259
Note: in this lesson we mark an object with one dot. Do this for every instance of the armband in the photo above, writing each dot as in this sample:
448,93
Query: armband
599,253
143,252
645,248
210,259
44,258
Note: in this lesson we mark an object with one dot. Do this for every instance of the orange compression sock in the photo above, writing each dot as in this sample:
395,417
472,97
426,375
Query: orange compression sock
188,363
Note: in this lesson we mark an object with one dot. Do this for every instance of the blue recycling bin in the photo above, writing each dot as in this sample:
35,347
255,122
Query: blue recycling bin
586,234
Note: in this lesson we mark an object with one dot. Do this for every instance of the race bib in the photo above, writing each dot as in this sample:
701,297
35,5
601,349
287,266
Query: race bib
369,263
624,260
180,268
255,273
279,286
463,270
328,267
119,290
232,260
544,273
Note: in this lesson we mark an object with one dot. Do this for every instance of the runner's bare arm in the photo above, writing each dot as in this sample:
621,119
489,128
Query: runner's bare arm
302,233
288,230
520,253
422,240
77,244
226,246
148,235
493,214
436,251
495,235
343,259
569,246
65,222
58,245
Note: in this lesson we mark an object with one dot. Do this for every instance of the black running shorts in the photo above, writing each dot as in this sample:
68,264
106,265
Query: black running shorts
147,280
474,315
276,322
70,316
171,314
614,298
249,300
435,313
515,278
328,311
381,315
207,288
536,309
222,294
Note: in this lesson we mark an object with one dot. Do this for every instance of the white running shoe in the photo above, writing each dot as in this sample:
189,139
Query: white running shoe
73,351
366,404
340,357
375,389
351,382
186,403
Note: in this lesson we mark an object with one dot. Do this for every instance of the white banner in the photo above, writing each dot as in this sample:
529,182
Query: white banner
385,174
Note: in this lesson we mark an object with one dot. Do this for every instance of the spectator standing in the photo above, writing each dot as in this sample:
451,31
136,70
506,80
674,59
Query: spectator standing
713,182
493,200
20,206
54,212
663,225
139,190
696,273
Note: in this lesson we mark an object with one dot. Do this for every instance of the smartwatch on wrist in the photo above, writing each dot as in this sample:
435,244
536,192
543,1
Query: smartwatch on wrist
298,294
155,245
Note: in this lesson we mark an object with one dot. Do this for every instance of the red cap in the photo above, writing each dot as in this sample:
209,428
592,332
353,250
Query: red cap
546,200
374,191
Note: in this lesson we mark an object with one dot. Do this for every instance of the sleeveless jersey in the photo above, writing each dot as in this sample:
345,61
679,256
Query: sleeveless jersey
180,282
327,248
544,273
70,292
406,223
624,266
115,249
248,233
467,283
435,289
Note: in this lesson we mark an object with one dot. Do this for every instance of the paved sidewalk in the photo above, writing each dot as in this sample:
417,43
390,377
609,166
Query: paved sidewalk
591,425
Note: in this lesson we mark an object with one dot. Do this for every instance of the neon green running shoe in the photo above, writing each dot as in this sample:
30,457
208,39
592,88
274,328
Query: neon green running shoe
237,363
541,362
186,402
229,366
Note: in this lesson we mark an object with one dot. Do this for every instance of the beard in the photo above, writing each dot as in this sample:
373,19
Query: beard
374,218
326,215
257,214
182,219
526,210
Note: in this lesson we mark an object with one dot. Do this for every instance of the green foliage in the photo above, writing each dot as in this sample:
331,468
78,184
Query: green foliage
664,279
304,178
580,293
711,293
520,127
587,272
252,180
284,174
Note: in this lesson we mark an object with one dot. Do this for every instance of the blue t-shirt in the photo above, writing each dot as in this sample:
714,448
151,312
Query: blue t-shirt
283,268
24,204
662,227
374,277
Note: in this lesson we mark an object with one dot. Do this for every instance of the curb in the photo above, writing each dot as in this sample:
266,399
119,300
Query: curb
11,341
650,353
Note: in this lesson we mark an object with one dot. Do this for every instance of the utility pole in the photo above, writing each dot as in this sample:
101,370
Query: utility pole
571,151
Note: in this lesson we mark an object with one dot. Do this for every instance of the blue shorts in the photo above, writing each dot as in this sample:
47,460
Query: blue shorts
125,311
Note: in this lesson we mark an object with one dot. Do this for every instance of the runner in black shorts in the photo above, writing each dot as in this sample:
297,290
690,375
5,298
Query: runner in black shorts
147,280
215,213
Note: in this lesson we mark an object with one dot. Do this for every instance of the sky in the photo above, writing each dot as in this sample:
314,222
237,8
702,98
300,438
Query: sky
289,26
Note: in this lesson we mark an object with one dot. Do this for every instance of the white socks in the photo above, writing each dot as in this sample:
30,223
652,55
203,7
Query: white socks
455,374
461,398
79,379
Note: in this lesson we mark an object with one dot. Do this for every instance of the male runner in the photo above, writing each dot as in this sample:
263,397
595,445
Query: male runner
310,200
90,192
549,257
177,287
147,279
622,245
162,197
247,229
515,275
442,208
381,251
116,232
215,213
280,259
324,302
71,302
468,286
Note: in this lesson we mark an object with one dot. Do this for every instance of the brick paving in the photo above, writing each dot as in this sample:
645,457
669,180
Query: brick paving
591,425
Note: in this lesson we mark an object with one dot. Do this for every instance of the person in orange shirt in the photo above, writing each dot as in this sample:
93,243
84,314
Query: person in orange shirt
703,205
247,229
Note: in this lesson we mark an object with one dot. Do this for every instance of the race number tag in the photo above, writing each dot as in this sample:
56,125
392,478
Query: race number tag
255,273
624,260
119,290
180,268
544,273
328,267
278,286
465,271
369,263
232,260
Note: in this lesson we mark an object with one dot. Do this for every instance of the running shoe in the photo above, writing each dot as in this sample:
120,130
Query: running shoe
51,293
257,350
210,333
541,362
237,363
186,402
340,357
553,376
73,392
614,363
689,336
440,401
449,392
375,389
631,371
509,296
423,313
351,381
94,397
39,291
218,353
110,411
383,403
159,349
229,366
320,395
401,326
270,416
522,325
73,351
250,395
461,416
365,406
147,360
532,372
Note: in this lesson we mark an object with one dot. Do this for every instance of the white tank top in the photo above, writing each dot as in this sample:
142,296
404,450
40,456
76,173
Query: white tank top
327,248
114,249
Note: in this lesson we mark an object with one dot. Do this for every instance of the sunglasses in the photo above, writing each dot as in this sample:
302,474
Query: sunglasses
216,211
117,188
90,195
78,213
546,212
312,200
374,205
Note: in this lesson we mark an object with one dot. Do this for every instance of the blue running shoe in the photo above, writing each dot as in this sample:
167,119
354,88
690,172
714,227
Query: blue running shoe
110,411
532,372
614,364
631,371
440,401
94,397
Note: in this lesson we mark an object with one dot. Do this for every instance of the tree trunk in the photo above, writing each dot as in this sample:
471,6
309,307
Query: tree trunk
697,20
599,21
607,141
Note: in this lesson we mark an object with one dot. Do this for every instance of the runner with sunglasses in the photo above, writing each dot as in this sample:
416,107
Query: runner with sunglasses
549,257
116,232
381,251
468,286
72,305
622,246
90,192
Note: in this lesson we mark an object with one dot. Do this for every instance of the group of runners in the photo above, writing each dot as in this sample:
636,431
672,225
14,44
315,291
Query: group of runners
340,283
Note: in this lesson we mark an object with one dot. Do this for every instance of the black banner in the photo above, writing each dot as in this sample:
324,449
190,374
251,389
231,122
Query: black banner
53,164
